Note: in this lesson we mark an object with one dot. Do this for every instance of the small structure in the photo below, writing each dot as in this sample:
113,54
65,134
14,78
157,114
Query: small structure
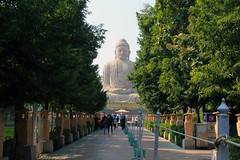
179,121
238,124
167,120
163,117
47,144
173,118
188,142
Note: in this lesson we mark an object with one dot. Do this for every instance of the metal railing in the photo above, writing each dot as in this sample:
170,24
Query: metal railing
221,143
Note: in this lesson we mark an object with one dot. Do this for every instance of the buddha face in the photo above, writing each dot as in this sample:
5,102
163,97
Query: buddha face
122,52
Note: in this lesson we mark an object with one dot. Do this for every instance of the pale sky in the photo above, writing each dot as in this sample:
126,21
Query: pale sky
120,21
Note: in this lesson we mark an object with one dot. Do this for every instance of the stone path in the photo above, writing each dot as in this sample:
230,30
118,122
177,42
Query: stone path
95,146
99,146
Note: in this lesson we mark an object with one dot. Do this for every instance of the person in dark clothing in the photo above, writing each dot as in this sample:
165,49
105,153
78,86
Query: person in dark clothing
96,122
104,122
123,121
110,123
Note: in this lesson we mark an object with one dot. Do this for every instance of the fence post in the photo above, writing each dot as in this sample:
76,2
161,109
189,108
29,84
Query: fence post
156,136
223,129
140,134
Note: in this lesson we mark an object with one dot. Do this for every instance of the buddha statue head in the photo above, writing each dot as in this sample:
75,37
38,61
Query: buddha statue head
122,50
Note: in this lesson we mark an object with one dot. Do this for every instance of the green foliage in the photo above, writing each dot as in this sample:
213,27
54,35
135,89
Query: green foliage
84,126
162,130
73,130
172,134
66,133
49,45
162,70
179,137
8,147
233,150
8,133
215,26
233,131
89,125
79,128
189,55
55,136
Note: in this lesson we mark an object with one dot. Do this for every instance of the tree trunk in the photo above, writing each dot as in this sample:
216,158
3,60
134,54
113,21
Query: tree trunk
198,114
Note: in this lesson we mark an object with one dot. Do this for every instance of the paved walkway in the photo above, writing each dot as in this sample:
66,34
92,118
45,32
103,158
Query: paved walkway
95,146
99,146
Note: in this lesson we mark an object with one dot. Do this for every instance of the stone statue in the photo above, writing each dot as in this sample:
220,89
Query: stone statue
115,82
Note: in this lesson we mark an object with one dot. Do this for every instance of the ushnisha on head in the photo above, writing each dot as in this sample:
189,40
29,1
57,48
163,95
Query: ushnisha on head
122,50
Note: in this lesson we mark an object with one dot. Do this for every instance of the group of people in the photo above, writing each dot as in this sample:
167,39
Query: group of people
111,121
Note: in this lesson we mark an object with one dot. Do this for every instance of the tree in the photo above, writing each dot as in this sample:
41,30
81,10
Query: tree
162,72
215,24
45,47
47,50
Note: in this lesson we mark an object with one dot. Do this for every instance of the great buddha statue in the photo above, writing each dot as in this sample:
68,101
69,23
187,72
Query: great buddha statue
115,81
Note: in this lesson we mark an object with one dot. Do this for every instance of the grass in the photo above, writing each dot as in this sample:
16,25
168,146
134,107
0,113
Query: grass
8,132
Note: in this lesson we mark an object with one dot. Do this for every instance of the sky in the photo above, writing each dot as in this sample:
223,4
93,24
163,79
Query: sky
119,19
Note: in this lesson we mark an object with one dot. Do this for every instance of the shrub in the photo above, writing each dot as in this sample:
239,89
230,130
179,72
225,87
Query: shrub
233,131
83,126
79,128
89,125
73,130
234,153
151,127
8,132
162,130
55,136
180,137
146,124
8,147
66,132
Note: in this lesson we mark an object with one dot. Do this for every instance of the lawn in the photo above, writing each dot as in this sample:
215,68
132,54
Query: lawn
8,132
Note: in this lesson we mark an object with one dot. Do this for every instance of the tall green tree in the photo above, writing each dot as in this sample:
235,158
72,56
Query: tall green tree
162,72
45,48
215,24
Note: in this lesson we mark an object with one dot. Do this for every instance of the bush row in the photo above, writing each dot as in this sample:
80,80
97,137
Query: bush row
150,125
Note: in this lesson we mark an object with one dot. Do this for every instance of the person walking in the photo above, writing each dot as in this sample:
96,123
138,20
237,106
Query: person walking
123,122
110,123
105,123
115,122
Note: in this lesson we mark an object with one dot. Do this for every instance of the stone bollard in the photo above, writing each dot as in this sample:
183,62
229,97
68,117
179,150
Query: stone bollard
79,125
179,121
173,119
44,115
216,124
47,144
223,129
67,126
188,143
1,134
74,123
238,124
23,127
163,118
59,121
23,130
167,120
